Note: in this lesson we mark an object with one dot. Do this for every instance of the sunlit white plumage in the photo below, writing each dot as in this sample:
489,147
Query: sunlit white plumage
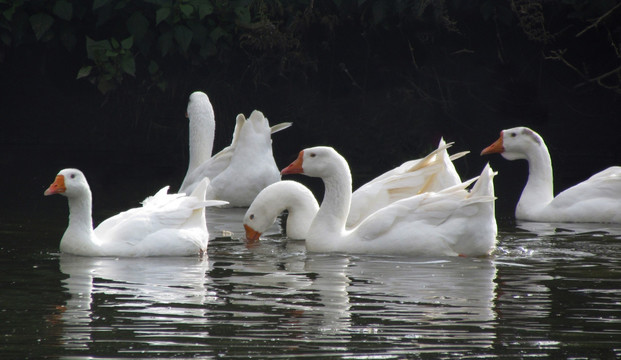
597,199
451,222
239,171
434,172
295,198
202,127
165,225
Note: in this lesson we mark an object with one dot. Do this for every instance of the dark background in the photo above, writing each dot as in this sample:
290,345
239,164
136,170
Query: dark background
380,81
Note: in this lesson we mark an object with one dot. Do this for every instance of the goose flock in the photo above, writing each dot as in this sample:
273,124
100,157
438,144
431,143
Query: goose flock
420,208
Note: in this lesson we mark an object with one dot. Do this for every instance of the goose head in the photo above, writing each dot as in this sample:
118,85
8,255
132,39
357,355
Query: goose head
515,143
319,161
198,104
69,183
250,225
257,219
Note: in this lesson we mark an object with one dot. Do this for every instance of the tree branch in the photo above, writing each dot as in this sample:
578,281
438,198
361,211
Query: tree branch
599,19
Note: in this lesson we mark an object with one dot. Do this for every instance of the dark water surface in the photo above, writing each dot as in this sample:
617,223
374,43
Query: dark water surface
549,291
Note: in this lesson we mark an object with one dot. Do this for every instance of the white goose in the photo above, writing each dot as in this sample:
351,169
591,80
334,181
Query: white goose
166,224
283,195
450,222
202,126
254,140
598,199
431,173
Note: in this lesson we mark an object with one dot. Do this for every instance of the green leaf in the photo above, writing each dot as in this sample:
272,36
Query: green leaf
40,24
204,8
187,10
105,85
162,85
127,43
121,4
95,50
84,71
217,33
243,14
8,13
161,15
183,35
63,10
115,43
153,67
165,42
199,31
137,25
159,3
99,3
6,39
128,64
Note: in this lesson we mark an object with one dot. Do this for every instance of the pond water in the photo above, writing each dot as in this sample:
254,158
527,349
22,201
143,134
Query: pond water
550,290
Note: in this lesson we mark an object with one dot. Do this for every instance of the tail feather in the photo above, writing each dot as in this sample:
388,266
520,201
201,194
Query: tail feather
240,120
282,126
198,214
430,158
200,189
458,155
485,184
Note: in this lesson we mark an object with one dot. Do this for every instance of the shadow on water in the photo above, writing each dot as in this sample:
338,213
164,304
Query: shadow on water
550,290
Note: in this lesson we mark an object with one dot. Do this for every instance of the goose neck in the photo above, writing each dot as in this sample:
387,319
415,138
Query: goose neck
79,232
539,189
336,201
202,129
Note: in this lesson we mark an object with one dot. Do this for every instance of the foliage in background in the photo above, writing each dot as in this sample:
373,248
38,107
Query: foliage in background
146,40
151,42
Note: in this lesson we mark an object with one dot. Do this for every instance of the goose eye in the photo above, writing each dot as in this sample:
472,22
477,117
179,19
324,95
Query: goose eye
513,134
72,176
312,155
251,216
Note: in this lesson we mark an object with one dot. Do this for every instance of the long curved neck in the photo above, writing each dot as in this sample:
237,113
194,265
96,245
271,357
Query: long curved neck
302,210
332,214
79,234
539,190
202,131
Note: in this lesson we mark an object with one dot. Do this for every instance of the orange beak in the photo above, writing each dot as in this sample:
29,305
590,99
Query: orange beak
57,187
496,147
251,234
295,167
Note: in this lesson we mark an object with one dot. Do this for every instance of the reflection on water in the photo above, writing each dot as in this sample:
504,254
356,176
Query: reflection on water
428,304
318,303
149,292
560,289
551,290
548,229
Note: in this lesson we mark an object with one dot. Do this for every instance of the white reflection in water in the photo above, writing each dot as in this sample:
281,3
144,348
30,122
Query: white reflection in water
242,297
412,298
393,301
551,229
150,290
